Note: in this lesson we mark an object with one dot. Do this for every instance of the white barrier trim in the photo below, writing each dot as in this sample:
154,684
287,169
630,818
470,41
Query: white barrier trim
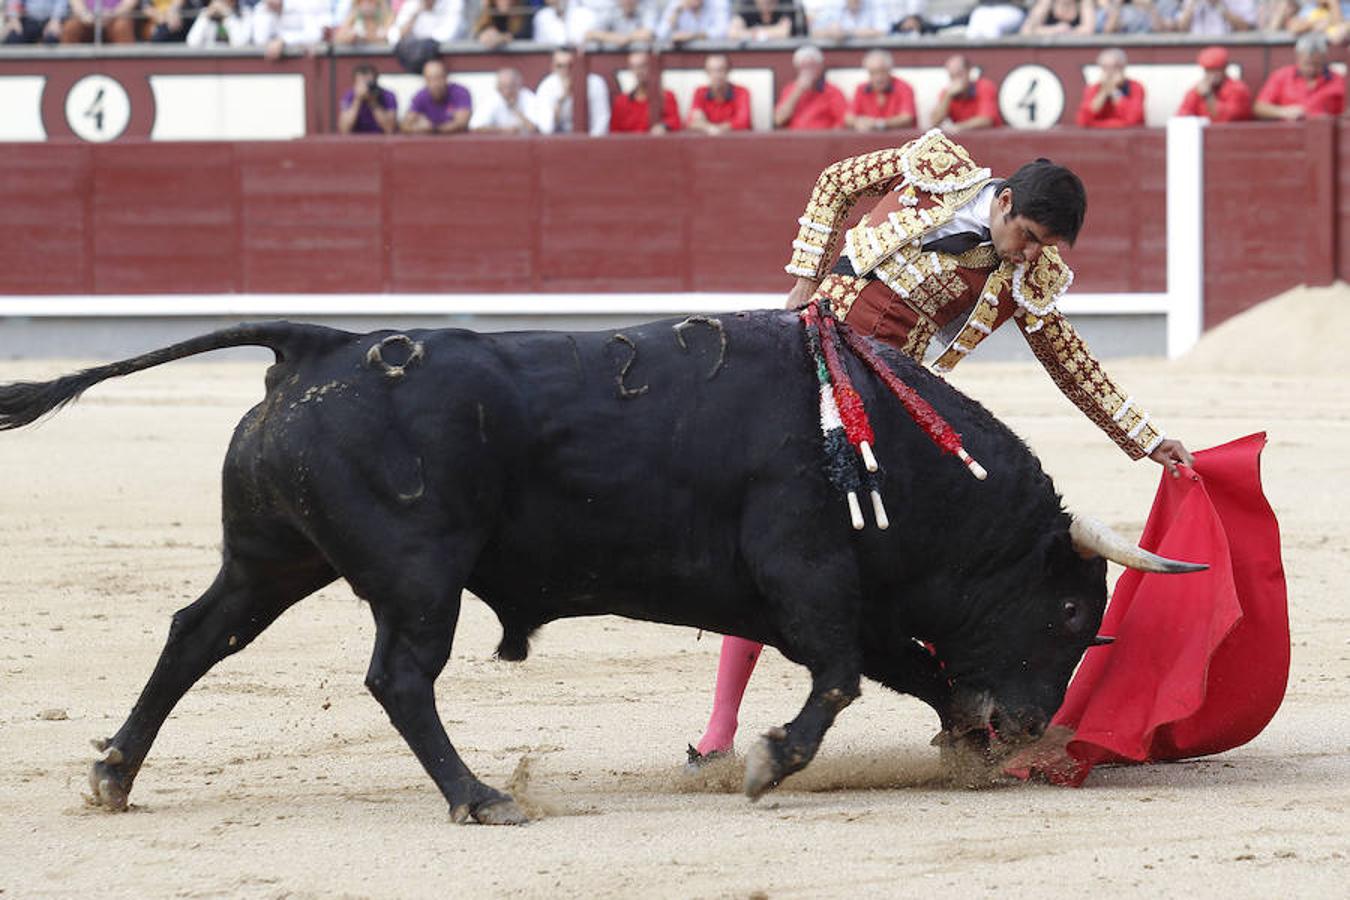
200,305
1185,233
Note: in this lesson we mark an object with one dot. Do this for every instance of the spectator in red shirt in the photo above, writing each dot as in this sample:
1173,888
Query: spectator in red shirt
1216,96
719,106
1114,101
632,111
966,102
883,101
810,103
1307,88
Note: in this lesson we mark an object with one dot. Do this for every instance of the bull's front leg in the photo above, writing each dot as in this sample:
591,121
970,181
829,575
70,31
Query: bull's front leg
787,749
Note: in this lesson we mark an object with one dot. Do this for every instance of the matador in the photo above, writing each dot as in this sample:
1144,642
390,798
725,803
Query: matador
945,247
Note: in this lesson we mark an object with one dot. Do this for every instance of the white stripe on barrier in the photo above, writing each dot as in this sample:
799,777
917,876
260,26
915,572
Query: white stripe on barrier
190,305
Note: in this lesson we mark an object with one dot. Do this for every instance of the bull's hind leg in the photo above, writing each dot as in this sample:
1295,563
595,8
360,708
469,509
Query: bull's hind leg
414,595
408,656
255,584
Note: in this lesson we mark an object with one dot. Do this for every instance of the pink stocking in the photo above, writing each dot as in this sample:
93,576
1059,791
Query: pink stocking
733,674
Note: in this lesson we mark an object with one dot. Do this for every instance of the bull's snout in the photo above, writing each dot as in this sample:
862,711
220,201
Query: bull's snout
1019,726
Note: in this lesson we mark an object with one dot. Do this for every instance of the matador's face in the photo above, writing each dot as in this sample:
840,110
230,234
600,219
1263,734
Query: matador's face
1016,239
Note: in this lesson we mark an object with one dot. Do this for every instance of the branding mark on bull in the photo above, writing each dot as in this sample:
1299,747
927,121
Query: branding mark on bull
715,325
626,392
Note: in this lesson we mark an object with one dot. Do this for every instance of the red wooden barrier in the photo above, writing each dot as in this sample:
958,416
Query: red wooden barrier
1270,212
567,214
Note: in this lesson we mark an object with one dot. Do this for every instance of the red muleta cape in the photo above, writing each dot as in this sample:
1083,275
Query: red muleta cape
1201,660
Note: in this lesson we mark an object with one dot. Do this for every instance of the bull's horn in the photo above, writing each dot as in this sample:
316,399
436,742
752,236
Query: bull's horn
1092,538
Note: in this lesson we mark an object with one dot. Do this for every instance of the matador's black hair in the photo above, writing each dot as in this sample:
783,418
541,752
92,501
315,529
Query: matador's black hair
1051,196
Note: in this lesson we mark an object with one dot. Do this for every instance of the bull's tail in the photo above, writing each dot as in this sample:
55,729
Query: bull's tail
24,402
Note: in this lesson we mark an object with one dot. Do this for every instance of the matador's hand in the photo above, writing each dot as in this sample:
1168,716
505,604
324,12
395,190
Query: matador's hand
801,293
1170,454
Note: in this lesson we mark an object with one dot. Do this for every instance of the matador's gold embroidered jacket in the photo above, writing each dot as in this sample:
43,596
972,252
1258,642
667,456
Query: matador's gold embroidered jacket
922,185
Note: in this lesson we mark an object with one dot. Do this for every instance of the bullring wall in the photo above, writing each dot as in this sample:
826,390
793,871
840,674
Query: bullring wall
624,214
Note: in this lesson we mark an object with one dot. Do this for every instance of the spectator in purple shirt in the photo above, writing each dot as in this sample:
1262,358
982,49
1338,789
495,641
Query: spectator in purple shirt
440,107
368,108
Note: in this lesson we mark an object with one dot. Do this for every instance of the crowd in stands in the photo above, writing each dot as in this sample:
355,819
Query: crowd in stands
883,101
417,30
276,24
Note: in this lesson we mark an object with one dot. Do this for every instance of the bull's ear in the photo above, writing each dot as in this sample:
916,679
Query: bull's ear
1102,640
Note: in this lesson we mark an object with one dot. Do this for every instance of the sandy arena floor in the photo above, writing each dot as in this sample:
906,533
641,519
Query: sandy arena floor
278,776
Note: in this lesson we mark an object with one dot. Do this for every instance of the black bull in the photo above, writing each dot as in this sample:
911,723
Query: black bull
670,472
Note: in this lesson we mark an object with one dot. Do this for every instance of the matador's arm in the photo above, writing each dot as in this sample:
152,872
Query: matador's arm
1078,374
836,190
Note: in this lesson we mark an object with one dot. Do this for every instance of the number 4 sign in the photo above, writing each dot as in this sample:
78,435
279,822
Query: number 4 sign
98,108
1031,97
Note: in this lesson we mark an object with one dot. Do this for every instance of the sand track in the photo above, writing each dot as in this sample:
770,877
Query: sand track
278,775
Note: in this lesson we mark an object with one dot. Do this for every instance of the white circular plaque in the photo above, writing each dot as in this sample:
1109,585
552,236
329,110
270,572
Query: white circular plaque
1031,97
98,108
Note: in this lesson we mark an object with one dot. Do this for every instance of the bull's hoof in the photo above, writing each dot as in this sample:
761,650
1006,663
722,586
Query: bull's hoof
762,767
696,761
108,789
489,808
504,812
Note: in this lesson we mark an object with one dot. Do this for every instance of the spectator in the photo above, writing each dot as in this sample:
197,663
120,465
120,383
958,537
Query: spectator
278,24
1324,16
117,16
632,112
511,110
994,19
1135,16
439,108
440,21
810,103
219,25
846,19
766,20
1304,90
35,21
562,22
719,106
1216,96
502,21
628,22
1217,17
694,20
883,101
1114,101
554,98
366,22
966,102
167,21
1061,17
368,108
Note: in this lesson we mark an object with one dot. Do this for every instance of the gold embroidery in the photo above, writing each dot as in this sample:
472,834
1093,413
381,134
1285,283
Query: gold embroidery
980,322
1080,377
840,292
835,192
933,164
981,256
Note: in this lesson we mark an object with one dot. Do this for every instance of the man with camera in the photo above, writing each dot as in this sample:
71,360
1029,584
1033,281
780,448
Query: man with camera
368,108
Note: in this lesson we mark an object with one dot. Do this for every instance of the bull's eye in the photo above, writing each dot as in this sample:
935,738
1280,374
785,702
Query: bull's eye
1070,610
